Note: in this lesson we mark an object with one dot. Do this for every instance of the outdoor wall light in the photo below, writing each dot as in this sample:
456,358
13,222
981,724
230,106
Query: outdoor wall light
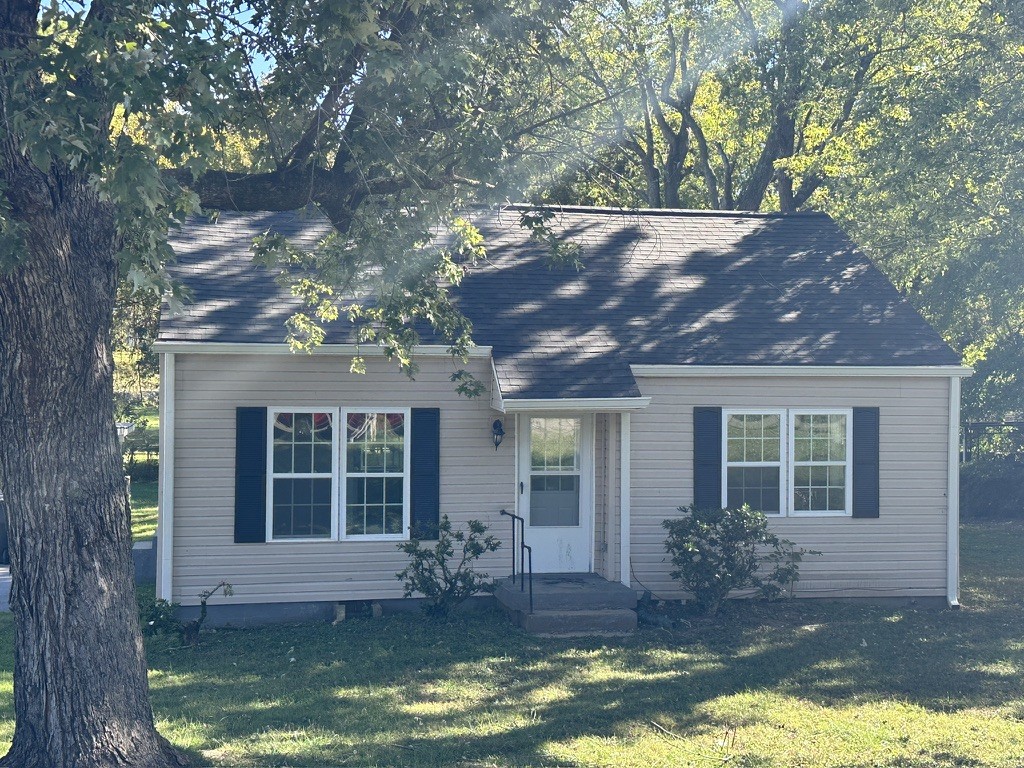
497,432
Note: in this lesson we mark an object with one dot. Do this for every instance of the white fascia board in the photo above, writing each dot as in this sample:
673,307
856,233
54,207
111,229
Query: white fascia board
690,371
578,405
282,348
497,402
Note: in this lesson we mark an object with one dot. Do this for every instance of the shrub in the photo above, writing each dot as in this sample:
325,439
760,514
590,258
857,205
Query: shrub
433,572
716,551
992,488
160,616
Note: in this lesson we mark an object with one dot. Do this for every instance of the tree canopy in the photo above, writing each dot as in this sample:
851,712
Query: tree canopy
901,118
121,118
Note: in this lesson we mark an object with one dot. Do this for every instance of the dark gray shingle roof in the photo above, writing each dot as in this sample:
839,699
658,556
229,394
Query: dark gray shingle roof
657,287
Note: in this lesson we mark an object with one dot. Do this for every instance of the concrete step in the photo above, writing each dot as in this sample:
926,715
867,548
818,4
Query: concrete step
608,621
553,592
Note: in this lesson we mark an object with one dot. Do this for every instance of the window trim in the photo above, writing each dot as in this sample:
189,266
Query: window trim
848,463
272,413
787,489
342,474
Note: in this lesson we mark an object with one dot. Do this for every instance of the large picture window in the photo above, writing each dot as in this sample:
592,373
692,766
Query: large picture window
788,462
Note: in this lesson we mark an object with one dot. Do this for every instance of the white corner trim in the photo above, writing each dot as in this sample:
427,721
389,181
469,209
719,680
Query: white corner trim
953,497
578,404
611,480
624,508
282,348
165,518
497,402
672,371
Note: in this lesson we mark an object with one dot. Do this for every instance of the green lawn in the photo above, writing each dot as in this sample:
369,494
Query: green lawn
144,496
795,684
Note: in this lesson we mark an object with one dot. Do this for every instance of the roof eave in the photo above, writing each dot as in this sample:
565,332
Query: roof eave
690,371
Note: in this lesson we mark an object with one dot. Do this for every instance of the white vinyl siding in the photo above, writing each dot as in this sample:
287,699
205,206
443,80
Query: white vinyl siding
476,480
901,553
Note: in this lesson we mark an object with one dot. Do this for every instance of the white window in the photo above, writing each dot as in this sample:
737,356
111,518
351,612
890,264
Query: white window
820,459
753,460
376,488
794,462
303,455
337,474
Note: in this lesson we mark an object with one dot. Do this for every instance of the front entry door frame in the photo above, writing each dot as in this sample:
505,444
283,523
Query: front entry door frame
554,547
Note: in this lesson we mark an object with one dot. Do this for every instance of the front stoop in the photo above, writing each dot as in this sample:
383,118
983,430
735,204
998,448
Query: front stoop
569,604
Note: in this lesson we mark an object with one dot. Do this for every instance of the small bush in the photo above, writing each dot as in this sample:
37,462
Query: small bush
159,617
434,573
992,488
716,551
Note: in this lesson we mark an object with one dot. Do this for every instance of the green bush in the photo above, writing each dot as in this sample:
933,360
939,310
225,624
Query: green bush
434,573
158,617
992,488
716,551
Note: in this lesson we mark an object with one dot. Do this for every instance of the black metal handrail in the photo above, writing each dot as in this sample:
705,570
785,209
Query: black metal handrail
525,555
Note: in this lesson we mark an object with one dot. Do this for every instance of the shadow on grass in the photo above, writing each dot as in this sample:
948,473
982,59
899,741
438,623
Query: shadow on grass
405,691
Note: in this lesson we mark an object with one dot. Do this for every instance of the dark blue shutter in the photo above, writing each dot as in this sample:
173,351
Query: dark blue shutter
250,475
707,458
425,469
865,462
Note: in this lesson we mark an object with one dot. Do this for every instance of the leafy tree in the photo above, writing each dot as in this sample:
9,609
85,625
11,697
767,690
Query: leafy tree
935,191
731,104
384,115
901,118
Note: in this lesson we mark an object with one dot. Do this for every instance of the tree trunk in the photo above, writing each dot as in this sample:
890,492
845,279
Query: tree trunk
80,692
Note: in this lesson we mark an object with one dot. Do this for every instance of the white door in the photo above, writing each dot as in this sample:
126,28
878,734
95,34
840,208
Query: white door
556,473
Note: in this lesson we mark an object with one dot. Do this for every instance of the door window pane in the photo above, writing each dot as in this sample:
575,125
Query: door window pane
555,472
555,500
554,445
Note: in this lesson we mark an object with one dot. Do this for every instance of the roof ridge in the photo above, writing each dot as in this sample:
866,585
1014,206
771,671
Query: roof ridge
619,210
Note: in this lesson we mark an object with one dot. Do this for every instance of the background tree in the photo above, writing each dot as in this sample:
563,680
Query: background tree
901,118
384,115
725,103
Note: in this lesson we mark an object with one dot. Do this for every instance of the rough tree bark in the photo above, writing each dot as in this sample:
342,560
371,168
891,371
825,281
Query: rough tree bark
81,695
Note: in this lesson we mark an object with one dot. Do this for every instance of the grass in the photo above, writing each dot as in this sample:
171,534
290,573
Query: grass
793,684
144,489
144,498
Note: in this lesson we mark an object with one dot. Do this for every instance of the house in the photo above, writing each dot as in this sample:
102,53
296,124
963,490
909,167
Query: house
708,357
